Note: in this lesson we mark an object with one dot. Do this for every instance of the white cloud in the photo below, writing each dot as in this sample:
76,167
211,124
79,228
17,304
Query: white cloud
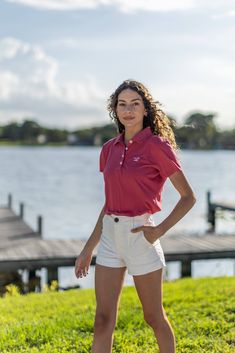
29,85
227,14
123,5
126,6
59,4
8,84
153,5
10,47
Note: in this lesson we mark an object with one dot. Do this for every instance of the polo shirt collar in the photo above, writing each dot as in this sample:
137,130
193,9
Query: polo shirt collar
140,136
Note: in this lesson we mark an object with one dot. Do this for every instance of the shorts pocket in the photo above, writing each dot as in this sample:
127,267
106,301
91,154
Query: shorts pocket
148,242
145,239
144,222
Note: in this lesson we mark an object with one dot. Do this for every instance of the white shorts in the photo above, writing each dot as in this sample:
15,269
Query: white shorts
119,247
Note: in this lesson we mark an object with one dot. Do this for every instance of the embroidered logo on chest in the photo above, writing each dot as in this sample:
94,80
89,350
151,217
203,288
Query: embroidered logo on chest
136,159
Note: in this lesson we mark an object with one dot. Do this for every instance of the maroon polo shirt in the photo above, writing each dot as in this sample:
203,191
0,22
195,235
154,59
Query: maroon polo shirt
134,175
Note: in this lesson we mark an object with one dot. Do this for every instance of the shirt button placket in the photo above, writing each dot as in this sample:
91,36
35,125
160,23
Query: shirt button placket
126,149
122,159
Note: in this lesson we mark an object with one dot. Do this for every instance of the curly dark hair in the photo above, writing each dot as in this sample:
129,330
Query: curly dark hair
158,121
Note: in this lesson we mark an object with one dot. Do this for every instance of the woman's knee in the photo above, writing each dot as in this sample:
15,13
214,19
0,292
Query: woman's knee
156,321
104,322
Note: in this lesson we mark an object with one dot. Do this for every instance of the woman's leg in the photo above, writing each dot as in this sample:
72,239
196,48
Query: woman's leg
149,289
108,285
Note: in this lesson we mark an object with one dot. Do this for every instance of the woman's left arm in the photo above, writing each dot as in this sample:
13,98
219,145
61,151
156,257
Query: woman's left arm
185,203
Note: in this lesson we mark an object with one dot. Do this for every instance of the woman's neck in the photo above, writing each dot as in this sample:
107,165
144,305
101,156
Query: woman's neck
130,133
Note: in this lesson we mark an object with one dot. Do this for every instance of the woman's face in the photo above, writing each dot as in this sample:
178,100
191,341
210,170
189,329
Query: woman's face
130,109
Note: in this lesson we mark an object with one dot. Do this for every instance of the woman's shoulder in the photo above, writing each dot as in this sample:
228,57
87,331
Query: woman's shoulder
162,147
110,142
105,148
160,142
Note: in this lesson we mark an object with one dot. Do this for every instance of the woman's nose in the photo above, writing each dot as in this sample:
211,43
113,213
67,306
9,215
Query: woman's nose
129,108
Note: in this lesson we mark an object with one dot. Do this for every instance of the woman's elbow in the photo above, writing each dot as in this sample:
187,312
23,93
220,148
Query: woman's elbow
194,199
190,197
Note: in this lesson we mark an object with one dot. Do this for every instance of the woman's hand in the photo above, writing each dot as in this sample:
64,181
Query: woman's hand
151,233
82,264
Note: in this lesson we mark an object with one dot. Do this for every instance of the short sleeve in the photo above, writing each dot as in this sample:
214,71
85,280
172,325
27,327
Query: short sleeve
104,155
102,159
165,157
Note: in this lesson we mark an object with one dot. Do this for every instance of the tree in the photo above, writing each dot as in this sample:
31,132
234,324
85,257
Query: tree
199,131
11,131
29,130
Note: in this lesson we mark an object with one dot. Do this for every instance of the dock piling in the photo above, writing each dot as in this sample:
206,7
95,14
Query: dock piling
10,201
211,213
40,225
52,275
186,268
21,210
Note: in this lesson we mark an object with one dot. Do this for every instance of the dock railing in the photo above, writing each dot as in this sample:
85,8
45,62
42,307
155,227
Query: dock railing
21,214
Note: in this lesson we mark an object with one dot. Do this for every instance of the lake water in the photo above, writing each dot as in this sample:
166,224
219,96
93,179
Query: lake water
63,185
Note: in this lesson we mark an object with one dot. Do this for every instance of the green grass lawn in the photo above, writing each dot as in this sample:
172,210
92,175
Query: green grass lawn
201,312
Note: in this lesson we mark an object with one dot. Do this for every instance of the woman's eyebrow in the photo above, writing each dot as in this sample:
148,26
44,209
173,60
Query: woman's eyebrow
132,100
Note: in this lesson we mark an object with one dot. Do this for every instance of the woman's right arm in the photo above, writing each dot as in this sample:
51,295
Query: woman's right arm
83,260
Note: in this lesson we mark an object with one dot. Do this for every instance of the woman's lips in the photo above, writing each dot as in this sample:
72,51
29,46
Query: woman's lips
129,118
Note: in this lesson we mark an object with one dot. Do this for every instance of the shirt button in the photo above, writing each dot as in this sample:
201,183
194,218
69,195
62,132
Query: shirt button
122,155
120,162
126,148
130,141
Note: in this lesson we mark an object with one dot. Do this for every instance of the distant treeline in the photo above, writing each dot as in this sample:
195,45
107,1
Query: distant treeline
198,131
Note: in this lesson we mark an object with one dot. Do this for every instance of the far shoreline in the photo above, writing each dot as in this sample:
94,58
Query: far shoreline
64,144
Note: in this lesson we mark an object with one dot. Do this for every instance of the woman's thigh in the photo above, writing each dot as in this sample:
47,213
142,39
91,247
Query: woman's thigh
149,289
108,286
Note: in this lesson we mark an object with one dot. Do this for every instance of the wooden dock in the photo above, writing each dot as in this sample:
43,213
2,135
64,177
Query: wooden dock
23,248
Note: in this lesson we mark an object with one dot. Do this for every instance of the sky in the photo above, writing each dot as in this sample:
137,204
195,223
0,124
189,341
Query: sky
61,59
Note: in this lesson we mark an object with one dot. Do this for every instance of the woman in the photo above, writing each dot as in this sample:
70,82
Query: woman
136,165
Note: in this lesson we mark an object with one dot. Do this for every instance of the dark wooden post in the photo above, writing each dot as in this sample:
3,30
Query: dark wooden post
21,210
40,225
52,274
34,282
213,218
211,212
186,268
9,201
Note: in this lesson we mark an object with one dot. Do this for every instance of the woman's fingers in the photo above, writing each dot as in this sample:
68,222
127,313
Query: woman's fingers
137,229
82,265
84,272
77,267
142,229
81,270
